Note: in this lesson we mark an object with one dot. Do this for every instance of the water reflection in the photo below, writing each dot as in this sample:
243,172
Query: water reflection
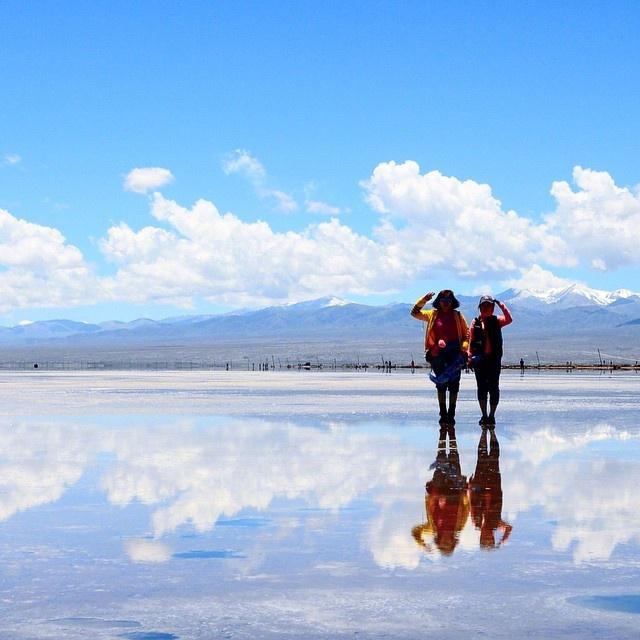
446,498
485,493
194,474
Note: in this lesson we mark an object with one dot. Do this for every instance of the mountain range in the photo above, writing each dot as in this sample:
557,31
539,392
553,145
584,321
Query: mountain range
569,323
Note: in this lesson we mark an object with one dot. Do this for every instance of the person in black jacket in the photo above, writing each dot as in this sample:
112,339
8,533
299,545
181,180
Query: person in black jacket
485,354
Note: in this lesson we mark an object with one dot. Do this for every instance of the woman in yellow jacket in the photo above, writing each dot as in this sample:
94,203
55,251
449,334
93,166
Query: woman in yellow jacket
445,346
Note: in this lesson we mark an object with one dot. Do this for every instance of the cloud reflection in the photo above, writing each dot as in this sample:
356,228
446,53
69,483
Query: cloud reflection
194,475
200,475
147,551
594,502
39,462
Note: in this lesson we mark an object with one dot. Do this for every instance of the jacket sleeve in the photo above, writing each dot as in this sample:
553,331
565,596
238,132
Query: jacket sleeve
419,313
465,334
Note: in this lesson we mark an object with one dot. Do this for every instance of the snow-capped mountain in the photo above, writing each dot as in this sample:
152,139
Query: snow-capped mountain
574,295
319,303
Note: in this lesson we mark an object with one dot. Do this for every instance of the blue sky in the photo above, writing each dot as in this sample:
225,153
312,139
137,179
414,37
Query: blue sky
386,149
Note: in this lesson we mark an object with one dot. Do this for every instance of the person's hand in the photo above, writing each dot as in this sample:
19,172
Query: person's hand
429,295
442,344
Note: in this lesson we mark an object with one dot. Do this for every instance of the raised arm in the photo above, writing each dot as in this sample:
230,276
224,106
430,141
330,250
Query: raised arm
506,315
417,312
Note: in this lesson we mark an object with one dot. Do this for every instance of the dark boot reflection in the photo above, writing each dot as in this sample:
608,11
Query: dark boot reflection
485,493
446,499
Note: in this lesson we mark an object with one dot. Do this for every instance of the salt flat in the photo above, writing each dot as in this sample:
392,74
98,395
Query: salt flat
162,505
294,392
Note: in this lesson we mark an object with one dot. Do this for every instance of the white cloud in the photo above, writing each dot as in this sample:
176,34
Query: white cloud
11,159
283,201
220,257
600,221
455,225
535,278
41,268
242,162
322,208
426,224
143,180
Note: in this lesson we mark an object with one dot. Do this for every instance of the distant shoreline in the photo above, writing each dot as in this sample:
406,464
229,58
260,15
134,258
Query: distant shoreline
272,365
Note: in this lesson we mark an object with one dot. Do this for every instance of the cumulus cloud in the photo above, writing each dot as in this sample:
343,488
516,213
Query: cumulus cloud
242,162
41,268
425,223
220,257
536,278
444,222
145,179
599,220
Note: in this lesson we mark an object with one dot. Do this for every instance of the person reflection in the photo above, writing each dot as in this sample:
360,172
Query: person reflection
485,493
446,499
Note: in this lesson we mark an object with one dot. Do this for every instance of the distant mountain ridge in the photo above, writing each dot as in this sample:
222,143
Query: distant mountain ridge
570,296
570,320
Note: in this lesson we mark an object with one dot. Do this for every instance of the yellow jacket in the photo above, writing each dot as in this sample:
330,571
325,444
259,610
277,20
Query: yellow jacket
429,316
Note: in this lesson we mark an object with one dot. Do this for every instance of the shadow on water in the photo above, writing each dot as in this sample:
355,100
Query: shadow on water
620,603
450,500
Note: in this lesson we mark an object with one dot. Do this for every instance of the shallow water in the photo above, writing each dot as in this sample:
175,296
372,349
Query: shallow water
192,505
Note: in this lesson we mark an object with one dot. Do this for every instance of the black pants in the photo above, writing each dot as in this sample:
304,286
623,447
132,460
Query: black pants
488,378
